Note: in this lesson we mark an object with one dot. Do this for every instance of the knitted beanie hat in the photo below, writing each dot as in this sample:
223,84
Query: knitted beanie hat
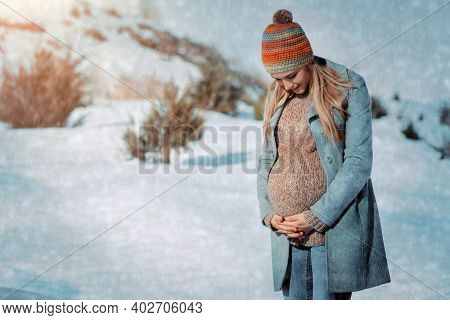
284,44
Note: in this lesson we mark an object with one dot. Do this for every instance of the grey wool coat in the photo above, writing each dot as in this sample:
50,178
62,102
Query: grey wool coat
356,257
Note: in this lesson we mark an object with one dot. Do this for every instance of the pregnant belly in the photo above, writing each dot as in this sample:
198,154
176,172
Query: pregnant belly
294,188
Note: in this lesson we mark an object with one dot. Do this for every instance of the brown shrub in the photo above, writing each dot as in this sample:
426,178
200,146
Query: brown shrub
169,44
216,90
135,146
410,133
25,26
445,150
44,95
83,8
54,44
378,110
94,33
75,13
141,40
112,12
162,130
444,114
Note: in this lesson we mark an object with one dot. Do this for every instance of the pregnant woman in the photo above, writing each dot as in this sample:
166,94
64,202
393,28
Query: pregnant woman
314,187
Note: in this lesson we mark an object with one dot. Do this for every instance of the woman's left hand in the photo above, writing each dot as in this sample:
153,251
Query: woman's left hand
298,221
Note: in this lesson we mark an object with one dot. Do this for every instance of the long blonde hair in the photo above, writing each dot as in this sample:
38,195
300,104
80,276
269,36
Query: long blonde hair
325,89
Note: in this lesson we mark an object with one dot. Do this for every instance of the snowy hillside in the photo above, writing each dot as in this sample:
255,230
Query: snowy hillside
83,221
344,31
61,187
108,41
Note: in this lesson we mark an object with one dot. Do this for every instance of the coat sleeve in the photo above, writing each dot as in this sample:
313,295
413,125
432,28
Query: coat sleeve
357,165
265,207
315,222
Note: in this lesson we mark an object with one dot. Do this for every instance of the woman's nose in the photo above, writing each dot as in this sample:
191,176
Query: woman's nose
287,85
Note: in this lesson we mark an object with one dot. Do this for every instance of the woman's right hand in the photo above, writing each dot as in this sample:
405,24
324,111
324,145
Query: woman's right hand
277,221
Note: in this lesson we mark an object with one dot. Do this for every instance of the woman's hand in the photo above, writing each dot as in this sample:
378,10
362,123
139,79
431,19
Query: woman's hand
297,221
279,223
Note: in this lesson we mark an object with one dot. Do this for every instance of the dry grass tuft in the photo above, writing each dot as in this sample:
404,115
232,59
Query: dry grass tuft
163,130
165,42
94,33
24,26
378,110
216,90
55,44
112,12
44,95
75,13
83,9
444,114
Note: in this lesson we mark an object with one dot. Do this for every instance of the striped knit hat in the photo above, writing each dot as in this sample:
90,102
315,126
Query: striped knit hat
285,46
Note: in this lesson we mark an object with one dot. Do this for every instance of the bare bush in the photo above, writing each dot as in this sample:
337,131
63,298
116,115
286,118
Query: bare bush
173,127
445,150
444,114
170,45
410,132
44,95
24,26
378,110
75,13
94,33
166,43
216,90
54,44
83,8
112,12
135,145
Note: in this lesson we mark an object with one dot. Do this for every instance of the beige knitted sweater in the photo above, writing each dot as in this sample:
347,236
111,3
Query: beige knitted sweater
297,179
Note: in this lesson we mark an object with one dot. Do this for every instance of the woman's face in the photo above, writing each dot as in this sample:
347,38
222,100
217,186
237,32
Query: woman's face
296,81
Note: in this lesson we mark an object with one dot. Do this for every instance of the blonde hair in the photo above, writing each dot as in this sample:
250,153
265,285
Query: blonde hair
325,90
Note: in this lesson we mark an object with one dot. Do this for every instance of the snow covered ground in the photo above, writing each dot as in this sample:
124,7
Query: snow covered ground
202,239
82,221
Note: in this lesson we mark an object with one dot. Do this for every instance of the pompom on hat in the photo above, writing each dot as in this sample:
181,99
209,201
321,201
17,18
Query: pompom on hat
285,46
